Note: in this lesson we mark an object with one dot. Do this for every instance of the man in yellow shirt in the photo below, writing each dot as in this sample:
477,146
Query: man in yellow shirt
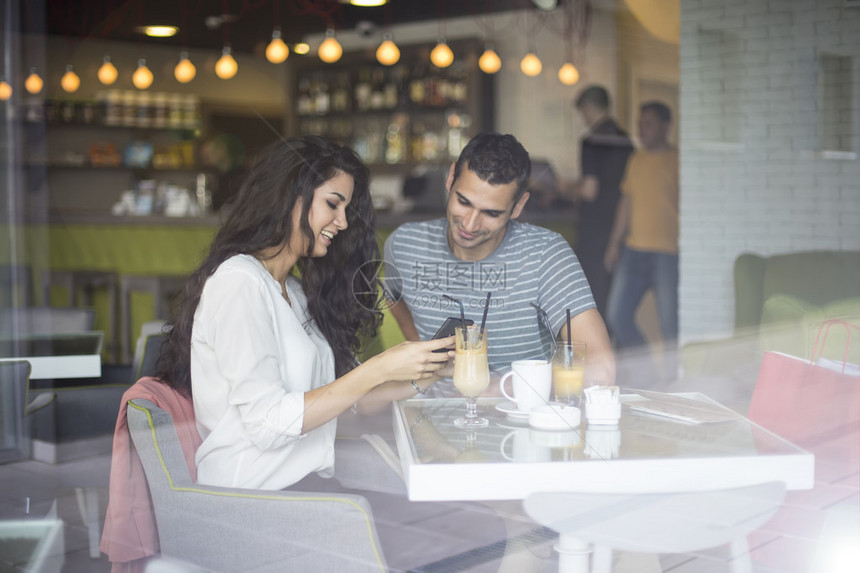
643,245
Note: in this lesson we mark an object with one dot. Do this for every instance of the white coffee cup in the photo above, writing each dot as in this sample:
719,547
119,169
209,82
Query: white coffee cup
522,448
532,383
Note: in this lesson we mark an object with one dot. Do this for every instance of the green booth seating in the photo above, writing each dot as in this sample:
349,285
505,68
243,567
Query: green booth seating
780,303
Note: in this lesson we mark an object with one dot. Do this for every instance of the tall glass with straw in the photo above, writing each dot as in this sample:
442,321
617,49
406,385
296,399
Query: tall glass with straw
568,369
471,369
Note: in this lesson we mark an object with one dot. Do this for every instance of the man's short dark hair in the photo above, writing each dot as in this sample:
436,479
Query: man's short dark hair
497,159
658,108
595,95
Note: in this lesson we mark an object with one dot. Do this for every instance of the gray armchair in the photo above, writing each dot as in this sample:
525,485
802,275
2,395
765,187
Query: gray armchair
225,529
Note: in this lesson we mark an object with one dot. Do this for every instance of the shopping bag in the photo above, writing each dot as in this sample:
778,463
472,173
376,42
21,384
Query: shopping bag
816,407
813,406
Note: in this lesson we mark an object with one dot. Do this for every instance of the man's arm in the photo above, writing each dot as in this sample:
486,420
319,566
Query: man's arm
401,313
583,189
588,186
619,231
588,327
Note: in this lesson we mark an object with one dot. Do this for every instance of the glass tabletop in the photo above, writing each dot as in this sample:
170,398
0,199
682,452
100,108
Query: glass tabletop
433,438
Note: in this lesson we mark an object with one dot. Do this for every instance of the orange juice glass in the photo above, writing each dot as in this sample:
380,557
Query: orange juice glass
568,372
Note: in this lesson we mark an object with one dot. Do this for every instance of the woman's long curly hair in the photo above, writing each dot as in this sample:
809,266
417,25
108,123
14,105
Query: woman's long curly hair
340,287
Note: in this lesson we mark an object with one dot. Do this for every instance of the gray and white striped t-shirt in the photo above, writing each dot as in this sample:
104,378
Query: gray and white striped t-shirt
532,265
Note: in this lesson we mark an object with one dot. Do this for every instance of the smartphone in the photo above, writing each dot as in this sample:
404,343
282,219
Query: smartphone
447,329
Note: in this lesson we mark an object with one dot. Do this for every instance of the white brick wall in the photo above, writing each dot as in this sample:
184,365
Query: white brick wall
752,177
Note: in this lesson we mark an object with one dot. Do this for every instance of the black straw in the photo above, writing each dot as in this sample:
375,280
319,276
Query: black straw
569,342
486,308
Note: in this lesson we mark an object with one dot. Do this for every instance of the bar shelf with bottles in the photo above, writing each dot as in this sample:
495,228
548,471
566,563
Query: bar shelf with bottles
114,130
408,113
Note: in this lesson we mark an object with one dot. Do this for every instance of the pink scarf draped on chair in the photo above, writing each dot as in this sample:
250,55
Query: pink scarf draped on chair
130,536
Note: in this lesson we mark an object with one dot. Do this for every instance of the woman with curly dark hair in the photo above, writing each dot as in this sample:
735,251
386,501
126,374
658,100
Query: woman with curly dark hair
269,358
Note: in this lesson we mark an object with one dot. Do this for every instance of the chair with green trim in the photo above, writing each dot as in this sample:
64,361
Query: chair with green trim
148,350
230,529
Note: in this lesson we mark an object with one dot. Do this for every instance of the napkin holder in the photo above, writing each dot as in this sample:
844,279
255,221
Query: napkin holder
602,405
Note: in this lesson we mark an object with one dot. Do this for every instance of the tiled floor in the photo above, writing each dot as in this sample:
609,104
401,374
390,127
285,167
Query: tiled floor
30,489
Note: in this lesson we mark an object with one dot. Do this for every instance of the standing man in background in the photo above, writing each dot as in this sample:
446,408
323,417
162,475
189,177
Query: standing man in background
605,151
643,246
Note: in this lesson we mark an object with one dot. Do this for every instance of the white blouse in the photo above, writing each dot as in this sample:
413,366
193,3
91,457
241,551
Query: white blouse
253,356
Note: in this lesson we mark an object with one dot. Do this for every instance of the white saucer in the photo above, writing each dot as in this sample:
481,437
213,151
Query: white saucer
555,417
512,411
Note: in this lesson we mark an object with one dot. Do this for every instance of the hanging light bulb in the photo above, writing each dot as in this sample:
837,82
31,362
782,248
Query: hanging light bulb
489,62
33,83
70,81
184,70
107,72
226,66
142,76
568,74
530,65
301,48
442,56
330,50
5,90
387,53
277,51
159,31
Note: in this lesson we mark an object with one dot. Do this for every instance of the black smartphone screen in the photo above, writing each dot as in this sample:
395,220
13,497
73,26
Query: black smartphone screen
447,329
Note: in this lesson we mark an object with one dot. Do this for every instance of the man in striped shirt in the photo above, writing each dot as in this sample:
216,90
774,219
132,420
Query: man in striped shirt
479,247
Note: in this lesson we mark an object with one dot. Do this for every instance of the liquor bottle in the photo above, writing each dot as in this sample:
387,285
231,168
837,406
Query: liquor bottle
391,92
362,90
374,141
359,140
340,95
129,108
432,90
416,141
416,86
460,91
159,116
174,111
394,139
377,83
303,100
323,99
143,113
190,111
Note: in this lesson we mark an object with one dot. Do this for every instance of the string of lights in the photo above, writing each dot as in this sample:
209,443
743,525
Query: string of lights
573,27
